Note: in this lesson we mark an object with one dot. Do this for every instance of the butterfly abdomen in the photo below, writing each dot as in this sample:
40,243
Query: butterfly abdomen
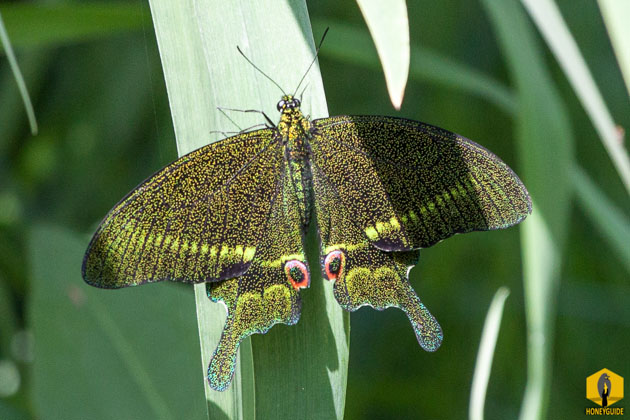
302,180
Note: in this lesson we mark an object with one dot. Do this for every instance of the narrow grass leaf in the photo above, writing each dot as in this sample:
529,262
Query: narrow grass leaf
545,145
613,225
616,15
389,25
203,70
485,355
189,89
17,74
12,105
547,17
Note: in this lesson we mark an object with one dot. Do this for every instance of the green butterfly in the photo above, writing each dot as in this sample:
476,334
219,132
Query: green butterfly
234,214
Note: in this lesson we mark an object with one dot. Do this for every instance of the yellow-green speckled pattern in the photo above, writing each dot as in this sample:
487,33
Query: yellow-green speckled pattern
408,185
233,214
196,220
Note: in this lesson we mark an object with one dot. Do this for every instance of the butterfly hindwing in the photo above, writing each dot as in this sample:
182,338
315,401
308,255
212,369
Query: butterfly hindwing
198,219
364,274
409,185
267,294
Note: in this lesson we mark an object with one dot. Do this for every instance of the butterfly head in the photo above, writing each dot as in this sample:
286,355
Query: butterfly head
287,103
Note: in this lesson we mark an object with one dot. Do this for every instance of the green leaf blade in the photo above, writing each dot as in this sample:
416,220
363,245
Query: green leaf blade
389,25
97,355
606,217
542,125
547,17
616,14
19,79
203,70
485,354
353,46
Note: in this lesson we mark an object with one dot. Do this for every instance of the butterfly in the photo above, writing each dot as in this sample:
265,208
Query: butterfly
234,215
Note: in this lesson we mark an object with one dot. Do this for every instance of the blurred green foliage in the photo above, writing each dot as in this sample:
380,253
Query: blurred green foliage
98,91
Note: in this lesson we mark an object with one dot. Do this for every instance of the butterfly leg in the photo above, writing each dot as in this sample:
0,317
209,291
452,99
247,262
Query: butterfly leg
222,110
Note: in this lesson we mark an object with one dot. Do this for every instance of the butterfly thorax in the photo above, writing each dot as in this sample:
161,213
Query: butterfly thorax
294,127
295,131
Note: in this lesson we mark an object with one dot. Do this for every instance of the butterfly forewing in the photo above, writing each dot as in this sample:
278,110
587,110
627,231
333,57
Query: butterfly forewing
198,219
409,185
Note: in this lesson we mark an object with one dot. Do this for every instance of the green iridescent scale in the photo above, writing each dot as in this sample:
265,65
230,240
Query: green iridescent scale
233,214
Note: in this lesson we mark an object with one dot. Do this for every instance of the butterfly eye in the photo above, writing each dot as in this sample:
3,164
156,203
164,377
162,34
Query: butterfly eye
297,273
280,105
296,103
333,264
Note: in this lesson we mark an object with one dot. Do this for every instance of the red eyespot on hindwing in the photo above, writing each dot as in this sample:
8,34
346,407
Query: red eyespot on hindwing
297,273
333,264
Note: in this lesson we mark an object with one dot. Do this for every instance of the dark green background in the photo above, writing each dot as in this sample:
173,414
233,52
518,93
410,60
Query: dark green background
104,126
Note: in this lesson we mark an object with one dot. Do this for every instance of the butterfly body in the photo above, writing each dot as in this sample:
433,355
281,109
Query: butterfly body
294,130
233,214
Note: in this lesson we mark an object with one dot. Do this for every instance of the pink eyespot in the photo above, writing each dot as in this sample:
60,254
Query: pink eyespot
333,264
297,273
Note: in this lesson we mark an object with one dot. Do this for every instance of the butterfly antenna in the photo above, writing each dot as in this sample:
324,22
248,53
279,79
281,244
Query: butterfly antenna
303,90
261,72
314,59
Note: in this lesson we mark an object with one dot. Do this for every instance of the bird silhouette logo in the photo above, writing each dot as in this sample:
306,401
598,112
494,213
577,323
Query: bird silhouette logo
604,386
